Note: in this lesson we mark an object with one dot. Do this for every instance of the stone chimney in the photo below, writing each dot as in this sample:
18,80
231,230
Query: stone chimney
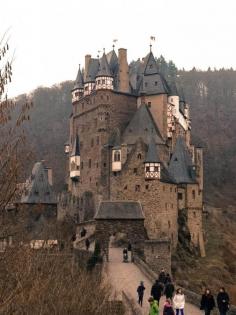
86,66
123,70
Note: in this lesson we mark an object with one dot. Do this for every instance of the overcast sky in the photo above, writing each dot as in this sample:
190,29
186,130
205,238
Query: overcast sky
51,37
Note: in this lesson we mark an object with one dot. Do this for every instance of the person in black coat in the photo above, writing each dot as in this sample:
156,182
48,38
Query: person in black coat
156,291
223,301
207,302
140,291
169,290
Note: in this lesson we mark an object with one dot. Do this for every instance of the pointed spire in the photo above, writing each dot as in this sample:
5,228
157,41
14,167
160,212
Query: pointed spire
79,82
104,69
152,155
150,65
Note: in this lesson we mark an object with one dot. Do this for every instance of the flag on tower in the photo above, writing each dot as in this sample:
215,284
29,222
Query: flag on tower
153,38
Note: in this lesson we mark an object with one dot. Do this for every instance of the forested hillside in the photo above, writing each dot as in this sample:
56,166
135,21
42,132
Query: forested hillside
212,97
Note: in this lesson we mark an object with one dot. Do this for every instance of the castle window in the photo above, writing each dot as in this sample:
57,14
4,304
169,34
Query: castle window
147,168
194,214
101,97
169,224
175,159
90,163
92,142
97,164
104,164
170,189
172,206
115,173
193,194
99,81
147,187
155,83
86,88
139,156
90,179
117,156
107,97
103,81
137,187
180,196
146,84
125,187
164,188
82,165
135,171
97,139
82,105
149,104
156,169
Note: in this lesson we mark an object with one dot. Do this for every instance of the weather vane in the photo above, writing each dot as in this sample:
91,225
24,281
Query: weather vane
152,39
98,53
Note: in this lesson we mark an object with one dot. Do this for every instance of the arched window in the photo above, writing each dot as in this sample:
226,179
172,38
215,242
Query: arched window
139,156
117,156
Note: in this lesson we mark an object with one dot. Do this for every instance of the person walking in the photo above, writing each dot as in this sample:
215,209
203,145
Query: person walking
168,309
179,302
162,276
156,291
154,309
140,291
169,290
223,301
207,302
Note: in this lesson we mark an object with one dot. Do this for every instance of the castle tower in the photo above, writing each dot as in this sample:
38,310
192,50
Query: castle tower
104,79
152,162
78,89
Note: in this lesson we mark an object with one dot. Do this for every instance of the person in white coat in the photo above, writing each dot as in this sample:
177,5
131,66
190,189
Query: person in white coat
179,302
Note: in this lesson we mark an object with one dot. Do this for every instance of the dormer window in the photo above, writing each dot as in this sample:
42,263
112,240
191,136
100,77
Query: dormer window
103,81
155,83
150,66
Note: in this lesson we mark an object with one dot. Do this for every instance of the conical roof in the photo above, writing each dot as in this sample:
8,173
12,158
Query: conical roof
38,189
152,155
180,167
79,82
150,65
104,69
142,126
76,147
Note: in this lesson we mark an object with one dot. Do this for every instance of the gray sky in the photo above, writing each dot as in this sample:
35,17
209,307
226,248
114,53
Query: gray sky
51,37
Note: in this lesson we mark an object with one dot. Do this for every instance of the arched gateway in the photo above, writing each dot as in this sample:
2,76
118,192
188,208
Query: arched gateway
120,217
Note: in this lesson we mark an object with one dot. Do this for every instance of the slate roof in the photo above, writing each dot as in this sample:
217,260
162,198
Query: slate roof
38,189
166,176
104,69
173,91
114,139
181,166
142,126
150,65
76,147
92,69
112,60
79,82
119,210
152,155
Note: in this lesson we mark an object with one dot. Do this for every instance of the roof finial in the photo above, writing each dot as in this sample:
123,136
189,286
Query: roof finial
98,53
79,66
114,42
150,47
104,50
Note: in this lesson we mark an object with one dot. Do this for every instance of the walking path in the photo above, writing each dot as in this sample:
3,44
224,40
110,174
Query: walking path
127,276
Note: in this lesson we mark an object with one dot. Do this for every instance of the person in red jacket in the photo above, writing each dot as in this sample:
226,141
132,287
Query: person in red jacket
168,309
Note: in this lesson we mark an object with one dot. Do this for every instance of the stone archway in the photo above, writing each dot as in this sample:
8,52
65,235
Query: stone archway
124,217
